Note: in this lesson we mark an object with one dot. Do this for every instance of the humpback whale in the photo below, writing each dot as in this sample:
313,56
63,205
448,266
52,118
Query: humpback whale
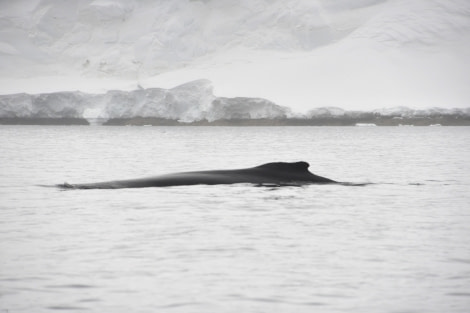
277,173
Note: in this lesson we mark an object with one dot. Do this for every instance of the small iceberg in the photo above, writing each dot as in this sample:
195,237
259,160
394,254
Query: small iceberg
365,124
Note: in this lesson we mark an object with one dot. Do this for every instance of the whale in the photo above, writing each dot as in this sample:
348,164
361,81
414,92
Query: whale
269,174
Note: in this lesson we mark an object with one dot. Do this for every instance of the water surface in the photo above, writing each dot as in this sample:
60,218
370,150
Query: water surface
399,244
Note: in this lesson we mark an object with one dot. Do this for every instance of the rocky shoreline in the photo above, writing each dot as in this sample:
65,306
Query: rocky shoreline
371,120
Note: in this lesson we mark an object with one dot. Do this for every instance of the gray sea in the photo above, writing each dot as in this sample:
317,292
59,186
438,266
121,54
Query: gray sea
398,244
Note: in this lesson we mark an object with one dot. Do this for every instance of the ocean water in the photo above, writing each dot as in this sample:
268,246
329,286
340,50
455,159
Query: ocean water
399,244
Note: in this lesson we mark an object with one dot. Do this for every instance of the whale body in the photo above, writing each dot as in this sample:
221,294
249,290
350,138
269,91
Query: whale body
278,173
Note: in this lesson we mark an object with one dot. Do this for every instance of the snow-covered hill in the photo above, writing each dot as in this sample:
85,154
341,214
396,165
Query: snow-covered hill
302,54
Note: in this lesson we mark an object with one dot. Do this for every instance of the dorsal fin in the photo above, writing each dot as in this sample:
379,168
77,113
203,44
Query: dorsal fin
285,166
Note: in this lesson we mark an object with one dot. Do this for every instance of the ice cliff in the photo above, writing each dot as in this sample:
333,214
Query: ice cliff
189,102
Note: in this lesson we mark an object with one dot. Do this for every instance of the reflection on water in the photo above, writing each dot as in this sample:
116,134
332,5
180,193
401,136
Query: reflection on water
399,244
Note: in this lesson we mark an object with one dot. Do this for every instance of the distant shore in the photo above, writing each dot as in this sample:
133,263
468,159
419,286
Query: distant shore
440,120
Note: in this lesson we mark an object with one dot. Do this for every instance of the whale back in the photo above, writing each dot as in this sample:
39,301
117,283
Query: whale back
295,171
272,173
298,167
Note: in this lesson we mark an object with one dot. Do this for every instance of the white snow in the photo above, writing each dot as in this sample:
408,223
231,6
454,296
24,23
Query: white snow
301,54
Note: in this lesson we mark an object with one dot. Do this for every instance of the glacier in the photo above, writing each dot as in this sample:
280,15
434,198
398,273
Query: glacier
193,101
263,58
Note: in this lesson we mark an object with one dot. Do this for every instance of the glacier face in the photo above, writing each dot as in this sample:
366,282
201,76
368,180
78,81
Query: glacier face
190,102
354,54
193,101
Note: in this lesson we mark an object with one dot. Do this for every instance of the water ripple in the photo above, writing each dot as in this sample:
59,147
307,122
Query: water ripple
66,308
73,286
459,294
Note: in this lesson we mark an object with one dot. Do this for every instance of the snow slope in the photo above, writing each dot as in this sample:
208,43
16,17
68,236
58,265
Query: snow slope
353,54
